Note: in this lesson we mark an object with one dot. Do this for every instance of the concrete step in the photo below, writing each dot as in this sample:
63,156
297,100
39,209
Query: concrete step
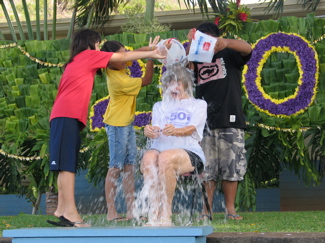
5,240
252,237
249,237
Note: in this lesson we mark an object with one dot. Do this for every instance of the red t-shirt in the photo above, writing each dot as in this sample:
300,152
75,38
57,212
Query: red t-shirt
77,83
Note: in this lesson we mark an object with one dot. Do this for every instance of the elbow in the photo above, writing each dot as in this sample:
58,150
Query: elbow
247,51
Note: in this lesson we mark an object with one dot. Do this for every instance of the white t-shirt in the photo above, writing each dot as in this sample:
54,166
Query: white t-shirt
181,113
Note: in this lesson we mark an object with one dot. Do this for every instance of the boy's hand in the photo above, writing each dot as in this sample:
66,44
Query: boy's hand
190,35
220,44
167,43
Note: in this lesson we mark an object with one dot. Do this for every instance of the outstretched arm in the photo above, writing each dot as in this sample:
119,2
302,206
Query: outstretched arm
237,45
134,55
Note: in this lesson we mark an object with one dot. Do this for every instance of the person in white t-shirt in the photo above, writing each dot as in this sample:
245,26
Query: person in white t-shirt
177,128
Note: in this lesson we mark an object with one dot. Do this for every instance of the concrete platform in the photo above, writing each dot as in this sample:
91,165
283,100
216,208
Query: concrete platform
110,234
248,237
5,240
252,238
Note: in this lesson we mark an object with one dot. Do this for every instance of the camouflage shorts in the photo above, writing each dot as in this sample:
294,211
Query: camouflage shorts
224,150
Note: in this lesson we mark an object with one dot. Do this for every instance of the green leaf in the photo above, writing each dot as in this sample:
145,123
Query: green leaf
314,112
45,78
44,150
268,26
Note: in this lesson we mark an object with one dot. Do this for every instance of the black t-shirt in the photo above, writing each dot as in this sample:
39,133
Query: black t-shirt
219,84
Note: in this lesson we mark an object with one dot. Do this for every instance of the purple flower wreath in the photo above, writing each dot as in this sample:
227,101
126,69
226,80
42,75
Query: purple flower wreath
307,60
135,70
97,112
142,119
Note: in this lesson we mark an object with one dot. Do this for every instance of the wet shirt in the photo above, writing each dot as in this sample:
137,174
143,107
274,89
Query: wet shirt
181,113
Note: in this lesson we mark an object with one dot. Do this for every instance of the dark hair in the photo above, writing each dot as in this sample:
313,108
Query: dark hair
209,28
82,40
112,46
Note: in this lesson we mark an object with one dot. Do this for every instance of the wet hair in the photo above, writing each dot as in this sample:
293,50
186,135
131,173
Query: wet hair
112,46
209,28
82,40
178,72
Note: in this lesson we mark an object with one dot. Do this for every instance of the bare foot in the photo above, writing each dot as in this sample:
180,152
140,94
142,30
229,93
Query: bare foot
57,214
234,217
81,224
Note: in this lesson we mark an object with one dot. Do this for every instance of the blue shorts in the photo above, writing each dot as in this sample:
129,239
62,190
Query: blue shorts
64,144
122,145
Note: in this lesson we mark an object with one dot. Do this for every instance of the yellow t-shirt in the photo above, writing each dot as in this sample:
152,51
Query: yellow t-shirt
123,91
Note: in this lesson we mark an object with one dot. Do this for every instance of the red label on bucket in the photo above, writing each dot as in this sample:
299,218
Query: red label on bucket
206,46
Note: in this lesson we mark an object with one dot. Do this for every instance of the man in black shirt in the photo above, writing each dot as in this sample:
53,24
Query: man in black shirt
219,84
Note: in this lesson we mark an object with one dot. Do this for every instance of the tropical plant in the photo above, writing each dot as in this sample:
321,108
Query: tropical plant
29,84
277,6
28,20
218,6
28,88
94,13
232,19
138,23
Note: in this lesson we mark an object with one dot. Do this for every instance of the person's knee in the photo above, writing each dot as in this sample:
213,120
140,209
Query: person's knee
149,157
165,162
128,172
113,173
128,168
147,162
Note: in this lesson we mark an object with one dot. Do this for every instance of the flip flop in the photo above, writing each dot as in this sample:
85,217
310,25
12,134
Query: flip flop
70,223
203,217
60,223
234,217
120,219
141,218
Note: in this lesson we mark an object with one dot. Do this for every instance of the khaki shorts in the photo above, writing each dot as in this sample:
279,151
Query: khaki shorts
224,150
